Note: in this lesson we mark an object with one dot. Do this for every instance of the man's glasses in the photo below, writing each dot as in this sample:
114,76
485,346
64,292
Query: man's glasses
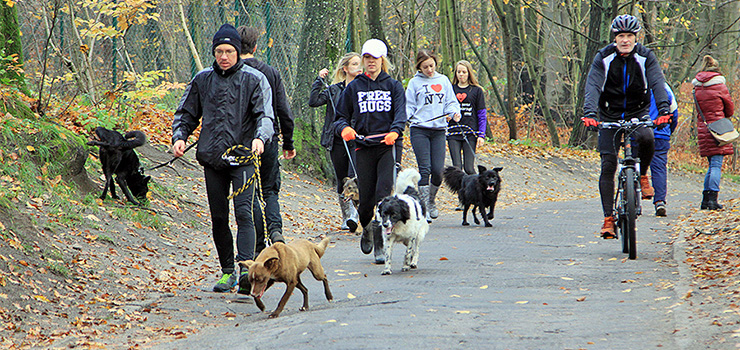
224,52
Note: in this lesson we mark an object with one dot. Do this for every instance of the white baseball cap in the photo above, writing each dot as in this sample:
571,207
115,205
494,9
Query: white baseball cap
375,48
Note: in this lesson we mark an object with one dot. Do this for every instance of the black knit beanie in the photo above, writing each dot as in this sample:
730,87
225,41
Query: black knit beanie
227,34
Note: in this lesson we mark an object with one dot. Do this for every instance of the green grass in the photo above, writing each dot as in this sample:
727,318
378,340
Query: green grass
106,239
691,168
58,268
528,143
732,177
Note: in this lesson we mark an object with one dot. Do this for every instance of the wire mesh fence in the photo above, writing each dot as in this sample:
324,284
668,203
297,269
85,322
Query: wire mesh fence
146,36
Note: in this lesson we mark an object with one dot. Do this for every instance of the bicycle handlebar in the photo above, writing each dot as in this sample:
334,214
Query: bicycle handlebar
634,123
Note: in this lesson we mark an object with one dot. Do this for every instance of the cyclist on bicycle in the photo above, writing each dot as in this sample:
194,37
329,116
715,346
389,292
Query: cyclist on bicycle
618,87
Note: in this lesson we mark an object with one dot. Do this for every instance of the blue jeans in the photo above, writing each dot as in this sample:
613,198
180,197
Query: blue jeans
714,173
658,169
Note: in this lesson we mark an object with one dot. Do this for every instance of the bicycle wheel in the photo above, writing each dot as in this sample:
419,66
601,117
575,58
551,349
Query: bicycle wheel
630,212
621,217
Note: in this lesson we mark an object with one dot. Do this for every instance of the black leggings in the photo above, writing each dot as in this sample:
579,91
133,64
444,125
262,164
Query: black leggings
375,176
643,148
218,187
429,148
467,161
340,160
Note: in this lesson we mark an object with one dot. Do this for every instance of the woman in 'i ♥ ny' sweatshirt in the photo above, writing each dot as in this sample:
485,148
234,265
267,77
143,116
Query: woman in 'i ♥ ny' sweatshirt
430,104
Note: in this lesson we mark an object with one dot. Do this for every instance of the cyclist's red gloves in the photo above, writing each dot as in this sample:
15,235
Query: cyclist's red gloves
589,122
663,121
348,134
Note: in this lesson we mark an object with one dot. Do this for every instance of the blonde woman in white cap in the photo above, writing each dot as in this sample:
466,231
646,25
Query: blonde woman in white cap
373,105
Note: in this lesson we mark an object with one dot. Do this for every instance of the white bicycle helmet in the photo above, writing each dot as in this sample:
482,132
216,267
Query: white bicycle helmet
625,23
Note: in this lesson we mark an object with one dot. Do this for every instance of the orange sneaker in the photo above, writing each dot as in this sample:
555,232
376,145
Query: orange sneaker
647,190
607,230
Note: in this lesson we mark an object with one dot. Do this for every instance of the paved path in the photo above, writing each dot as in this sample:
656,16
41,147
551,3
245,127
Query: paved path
539,279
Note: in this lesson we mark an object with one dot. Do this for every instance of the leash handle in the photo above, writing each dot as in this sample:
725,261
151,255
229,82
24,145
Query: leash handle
174,158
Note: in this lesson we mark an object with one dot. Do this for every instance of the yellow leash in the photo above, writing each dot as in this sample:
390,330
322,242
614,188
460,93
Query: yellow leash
255,178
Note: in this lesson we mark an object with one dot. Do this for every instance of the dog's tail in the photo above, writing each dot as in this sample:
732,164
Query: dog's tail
134,139
321,247
409,177
453,178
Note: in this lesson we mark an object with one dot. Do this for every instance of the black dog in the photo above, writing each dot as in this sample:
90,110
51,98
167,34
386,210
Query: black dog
117,157
480,191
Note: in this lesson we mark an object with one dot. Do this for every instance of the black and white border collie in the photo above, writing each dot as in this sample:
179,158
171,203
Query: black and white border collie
402,218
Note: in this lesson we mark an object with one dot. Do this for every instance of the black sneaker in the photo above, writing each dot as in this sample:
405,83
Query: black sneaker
244,286
227,281
660,209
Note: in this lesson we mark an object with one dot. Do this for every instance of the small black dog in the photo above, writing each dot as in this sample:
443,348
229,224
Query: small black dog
480,191
117,157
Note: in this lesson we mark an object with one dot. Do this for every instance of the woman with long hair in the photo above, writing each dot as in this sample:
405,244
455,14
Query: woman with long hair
713,102
373,105
348,67
430,103
470,132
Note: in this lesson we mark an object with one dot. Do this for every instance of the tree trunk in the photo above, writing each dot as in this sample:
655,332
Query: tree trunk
10,43
191,44
322,35
598,29
506,38
533,58
374,16
78,54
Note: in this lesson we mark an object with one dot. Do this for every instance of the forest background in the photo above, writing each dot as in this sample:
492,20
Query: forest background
123,63
68,66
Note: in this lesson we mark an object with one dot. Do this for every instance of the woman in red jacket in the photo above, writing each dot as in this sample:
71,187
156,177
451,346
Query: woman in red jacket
713,98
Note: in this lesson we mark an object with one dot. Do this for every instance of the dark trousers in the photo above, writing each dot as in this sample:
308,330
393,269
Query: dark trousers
340,161
658,169
608,147
219,184
467,149
375,176
429,148
270,181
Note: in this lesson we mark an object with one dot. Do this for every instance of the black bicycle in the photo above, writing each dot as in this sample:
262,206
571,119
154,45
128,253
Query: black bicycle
628,194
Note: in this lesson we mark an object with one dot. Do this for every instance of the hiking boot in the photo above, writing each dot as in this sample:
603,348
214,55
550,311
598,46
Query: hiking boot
704,200
350,217
378,246
424,196
712,203
244,286
432,208
227,281
660,208
607,230
647,190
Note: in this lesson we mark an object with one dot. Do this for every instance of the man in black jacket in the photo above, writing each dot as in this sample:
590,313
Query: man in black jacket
618,87
235,103
270,167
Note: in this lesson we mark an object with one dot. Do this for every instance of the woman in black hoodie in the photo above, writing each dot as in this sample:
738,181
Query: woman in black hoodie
373,105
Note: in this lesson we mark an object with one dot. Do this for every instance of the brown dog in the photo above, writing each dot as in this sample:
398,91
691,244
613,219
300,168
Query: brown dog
351,191
282,262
